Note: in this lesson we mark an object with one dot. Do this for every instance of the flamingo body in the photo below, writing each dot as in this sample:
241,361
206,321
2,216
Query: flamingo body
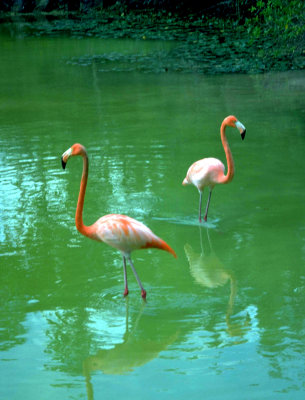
210,171
119,231
127,234
205,172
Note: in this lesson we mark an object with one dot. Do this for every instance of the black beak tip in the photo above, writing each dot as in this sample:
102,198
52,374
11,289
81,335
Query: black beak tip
243,134
63,163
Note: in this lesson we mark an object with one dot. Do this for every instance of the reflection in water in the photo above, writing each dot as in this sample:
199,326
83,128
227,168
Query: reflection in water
141,344
209,271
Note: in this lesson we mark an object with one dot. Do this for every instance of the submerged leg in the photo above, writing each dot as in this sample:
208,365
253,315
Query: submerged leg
207,207
200,204
143,292
125,277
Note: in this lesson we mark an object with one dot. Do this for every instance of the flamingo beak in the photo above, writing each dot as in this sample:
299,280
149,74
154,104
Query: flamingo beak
241,129
65,157
63,163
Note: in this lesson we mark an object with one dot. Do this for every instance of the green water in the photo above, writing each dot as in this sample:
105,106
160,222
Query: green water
223,321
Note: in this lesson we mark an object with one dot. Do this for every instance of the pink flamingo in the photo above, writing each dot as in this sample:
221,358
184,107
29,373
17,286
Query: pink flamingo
119,231
210,171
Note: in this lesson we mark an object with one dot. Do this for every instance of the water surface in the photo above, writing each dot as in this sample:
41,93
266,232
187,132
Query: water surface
224,320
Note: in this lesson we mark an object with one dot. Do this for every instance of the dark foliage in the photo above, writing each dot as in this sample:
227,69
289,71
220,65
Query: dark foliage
182,7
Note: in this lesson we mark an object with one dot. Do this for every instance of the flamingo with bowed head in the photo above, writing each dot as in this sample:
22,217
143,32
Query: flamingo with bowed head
119,231
210,171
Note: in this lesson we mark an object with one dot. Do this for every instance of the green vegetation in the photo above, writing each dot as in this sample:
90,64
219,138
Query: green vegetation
277,18
277,29
246,36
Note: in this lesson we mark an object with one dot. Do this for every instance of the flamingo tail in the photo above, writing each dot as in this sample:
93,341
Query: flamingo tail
185,182
160,244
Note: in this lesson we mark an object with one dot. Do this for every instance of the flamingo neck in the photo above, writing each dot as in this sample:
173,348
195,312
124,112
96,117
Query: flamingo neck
83,229
230,162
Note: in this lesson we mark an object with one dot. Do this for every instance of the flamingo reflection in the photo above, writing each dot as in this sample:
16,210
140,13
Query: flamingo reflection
141,344
208,271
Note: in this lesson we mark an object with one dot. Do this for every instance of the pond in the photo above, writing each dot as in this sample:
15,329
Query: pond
225,320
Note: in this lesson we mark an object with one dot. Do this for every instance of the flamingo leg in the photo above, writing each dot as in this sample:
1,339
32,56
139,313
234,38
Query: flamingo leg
125,277
143,292
207,207
200,204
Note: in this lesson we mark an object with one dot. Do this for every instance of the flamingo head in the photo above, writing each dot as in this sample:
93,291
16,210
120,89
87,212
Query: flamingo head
234,123
75,150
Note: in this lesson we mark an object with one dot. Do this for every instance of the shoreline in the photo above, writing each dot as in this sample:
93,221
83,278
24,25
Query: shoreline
205,45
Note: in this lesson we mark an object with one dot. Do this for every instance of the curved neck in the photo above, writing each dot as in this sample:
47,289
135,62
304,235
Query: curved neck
83,229
230,162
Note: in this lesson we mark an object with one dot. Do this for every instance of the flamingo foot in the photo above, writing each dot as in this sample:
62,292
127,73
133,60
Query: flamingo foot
143,294
126,292
205,218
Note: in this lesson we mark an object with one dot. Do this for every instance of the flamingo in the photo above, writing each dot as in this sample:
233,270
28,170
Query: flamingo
210,171
119,231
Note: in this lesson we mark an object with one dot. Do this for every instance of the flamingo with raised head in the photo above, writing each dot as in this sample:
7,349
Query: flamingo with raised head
119,231
210,171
